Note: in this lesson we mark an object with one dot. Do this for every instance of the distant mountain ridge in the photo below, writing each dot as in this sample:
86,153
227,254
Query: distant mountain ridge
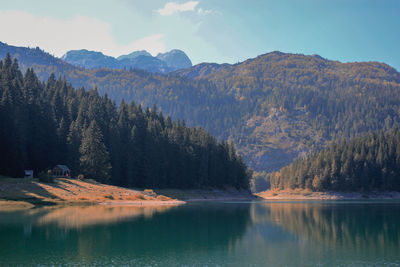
275,107
134,55
90,59
163,63
175,59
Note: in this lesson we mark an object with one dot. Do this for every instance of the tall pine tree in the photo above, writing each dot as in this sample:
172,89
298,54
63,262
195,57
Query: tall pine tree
95,159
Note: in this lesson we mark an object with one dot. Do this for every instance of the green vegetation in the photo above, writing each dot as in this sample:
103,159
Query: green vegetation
371,162
44,124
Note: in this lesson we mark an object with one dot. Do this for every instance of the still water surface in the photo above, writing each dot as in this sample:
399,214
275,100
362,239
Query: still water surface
205,234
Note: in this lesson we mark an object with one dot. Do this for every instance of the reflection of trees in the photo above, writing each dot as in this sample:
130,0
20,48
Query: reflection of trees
372,227
185,229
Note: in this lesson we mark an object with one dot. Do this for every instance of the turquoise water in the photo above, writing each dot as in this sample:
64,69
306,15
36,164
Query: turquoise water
205,234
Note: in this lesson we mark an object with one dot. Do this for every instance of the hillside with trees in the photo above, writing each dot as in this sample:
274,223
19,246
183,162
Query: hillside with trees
367,163
275,107
47,123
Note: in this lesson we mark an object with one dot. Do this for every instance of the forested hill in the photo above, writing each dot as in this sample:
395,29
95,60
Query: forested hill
287,66
49,123
274,107
37,59
291,104
368,163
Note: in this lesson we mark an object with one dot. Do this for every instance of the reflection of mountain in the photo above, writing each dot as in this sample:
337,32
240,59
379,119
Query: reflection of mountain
371,227
181,231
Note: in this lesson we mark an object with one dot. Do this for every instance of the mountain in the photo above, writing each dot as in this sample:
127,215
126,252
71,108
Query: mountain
369,163
90,59
275,107
292,104
163,63
147,63
134,55
34,57
175,59
202,70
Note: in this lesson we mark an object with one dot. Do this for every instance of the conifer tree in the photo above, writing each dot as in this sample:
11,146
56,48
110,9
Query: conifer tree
94,160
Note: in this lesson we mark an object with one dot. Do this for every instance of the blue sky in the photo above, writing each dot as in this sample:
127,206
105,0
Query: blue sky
209,30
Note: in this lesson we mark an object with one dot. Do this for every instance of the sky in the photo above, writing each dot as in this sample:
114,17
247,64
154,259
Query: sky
221,31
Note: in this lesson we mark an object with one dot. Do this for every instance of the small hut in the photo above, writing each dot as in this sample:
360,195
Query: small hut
61,171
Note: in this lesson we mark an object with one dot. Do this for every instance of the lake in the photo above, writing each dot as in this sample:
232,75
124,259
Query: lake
204,234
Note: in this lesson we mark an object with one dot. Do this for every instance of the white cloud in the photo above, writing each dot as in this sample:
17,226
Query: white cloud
57,36
152,44
204,11
172,7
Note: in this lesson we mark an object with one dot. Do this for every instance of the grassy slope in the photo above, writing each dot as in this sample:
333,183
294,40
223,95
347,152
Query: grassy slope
72,191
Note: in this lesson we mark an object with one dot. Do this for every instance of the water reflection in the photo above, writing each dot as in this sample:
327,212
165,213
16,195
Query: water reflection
204,234
323,234
78,216
128,235
357,226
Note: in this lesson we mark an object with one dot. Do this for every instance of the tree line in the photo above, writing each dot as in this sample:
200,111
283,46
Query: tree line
367,163
48,123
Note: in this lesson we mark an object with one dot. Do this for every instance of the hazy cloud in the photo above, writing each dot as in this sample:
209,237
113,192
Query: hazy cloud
172,7
57,36
204,11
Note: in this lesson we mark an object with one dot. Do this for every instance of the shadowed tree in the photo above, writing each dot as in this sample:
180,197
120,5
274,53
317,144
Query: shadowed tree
95,160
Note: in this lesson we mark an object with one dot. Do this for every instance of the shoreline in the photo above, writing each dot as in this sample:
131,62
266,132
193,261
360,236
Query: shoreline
17,205
207,195
27,193
301,195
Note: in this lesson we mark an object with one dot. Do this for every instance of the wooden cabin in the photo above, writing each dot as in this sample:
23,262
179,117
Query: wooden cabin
61,171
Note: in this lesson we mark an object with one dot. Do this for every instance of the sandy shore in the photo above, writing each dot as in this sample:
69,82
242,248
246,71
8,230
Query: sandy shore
309,195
